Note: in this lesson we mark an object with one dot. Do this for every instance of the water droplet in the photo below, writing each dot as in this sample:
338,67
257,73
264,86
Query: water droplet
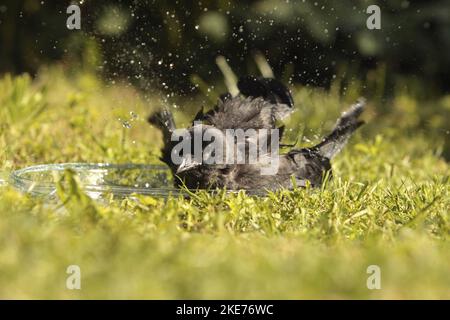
133,115
125,123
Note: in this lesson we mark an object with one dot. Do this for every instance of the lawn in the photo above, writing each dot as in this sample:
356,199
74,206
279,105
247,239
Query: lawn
388,204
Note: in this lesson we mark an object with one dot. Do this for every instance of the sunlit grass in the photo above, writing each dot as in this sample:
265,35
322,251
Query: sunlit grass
387,205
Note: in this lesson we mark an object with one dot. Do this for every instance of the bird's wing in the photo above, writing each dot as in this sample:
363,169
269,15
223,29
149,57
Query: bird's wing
267,88
262,103
247,113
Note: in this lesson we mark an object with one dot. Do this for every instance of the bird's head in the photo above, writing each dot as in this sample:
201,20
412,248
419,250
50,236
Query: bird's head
207,147
188,162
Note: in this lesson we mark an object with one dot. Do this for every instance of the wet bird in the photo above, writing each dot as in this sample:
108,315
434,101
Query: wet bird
262,103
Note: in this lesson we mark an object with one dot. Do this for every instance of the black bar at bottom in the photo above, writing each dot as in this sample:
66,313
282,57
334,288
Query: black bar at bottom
220,309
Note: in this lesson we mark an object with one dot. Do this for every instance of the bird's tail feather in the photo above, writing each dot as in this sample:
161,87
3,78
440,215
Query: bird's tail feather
345,126
164,121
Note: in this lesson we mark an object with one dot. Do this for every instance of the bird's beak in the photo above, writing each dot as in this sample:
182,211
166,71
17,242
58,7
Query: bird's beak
187,164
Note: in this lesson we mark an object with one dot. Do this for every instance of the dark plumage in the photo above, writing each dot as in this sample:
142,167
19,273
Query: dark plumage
262,103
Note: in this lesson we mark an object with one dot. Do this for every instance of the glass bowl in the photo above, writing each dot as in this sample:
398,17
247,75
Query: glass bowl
97,179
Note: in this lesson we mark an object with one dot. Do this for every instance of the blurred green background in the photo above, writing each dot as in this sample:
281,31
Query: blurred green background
161,44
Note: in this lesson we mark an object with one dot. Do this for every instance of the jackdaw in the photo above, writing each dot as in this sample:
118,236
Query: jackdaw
262,103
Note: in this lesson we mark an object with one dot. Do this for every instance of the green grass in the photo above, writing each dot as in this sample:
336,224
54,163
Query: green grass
388,205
